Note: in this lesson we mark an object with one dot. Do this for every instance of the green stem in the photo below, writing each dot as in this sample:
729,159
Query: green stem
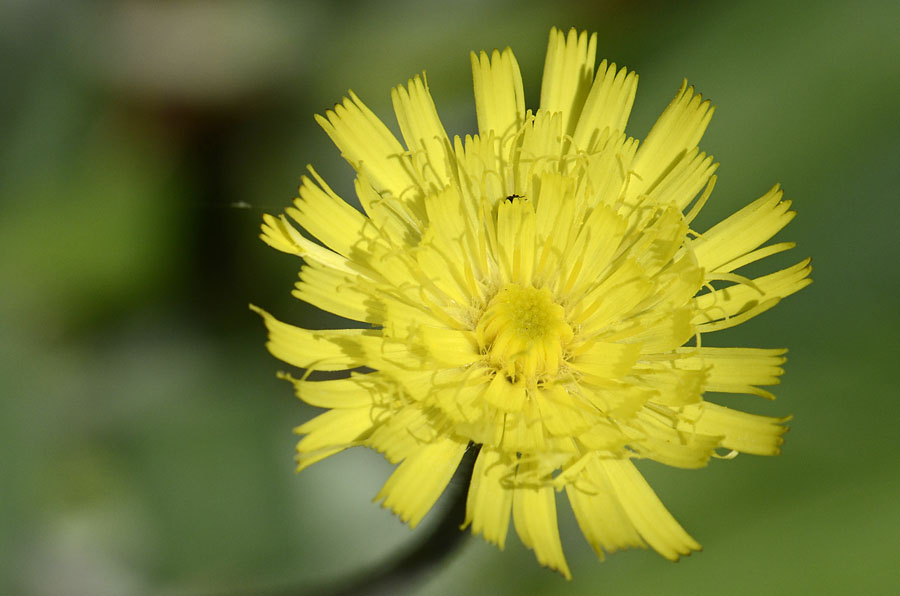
414,565
411,566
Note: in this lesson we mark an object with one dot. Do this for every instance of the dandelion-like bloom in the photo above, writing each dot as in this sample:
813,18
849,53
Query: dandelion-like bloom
537,290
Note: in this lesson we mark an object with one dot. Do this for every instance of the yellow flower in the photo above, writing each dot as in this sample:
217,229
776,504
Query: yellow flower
536,289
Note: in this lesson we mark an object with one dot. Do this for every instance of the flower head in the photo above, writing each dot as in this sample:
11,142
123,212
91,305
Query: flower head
536,289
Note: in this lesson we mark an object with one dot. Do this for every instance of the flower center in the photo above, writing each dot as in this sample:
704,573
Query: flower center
523,332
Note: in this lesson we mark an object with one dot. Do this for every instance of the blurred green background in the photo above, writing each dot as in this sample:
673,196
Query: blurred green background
145,444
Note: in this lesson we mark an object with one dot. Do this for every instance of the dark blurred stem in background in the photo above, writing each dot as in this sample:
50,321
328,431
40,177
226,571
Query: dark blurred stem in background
414,565
411,567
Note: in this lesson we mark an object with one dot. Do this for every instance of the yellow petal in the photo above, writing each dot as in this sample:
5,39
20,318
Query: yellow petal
393,220
747,433
459,393
740,233
649,516
741,301
354,392
478,170
281,235
523,431
329,218
678,283
401,432
417,483
404,319
568,72
685,180
540,149
619,400
534,517
343,293
504,395
598,511
675,383
367,143
328,349
661,333
756,255
602,360
736,370
331,433
753,309
449,250
516,240
450,277
450,347
490,497
422,130
614,299
607,106
554,229
600,174
661,238
662,442
592,251
604,436
678,129
562,414
499,98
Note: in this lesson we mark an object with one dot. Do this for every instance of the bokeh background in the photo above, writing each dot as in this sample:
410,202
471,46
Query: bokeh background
145,444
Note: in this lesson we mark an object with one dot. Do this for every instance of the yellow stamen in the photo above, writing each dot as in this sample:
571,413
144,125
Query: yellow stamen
523,332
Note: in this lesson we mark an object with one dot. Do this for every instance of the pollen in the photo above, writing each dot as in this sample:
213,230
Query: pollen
523,332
